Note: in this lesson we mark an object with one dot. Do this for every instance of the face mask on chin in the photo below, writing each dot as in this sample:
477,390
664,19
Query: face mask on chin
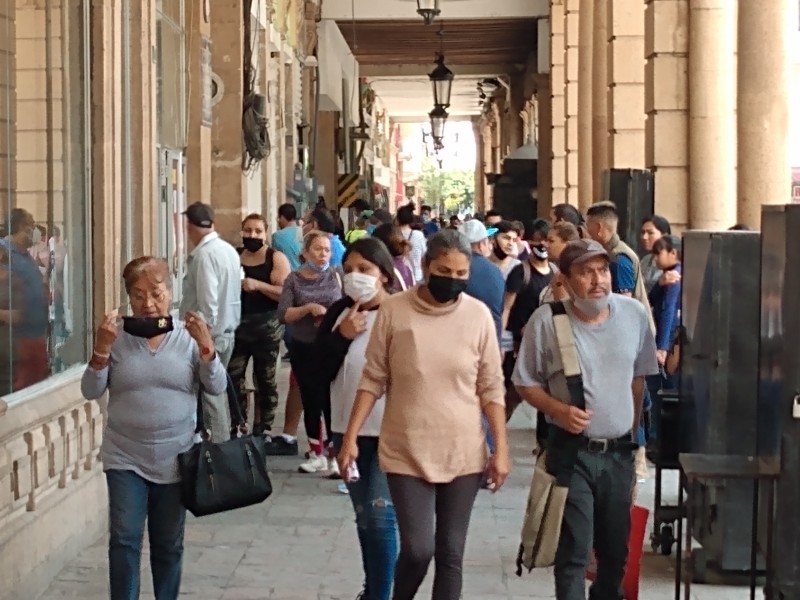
252,244
445,289
540,251
499,252
147,327
318,268
591,307
360,287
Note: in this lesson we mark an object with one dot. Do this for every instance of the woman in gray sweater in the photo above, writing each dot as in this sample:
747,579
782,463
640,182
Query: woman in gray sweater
152,370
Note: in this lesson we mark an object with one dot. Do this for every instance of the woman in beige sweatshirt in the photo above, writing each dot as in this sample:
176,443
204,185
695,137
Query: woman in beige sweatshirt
433,351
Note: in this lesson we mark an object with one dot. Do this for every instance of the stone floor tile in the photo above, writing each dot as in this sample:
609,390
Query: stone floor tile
301,545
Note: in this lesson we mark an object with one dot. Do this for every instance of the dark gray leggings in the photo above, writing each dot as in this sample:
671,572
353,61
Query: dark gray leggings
433,520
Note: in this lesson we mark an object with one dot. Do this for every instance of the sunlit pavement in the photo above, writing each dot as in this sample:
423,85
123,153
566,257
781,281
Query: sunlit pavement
301,545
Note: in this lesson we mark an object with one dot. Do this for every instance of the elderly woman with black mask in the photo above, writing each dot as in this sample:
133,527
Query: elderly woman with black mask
432,444
152,369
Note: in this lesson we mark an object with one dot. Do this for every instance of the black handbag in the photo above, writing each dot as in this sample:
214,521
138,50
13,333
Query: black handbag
220,477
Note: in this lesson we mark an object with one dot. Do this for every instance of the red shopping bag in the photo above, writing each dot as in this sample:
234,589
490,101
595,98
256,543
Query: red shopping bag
630,583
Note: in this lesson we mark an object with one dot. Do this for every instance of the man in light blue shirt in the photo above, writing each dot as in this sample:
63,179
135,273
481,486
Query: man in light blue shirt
213,287
289,239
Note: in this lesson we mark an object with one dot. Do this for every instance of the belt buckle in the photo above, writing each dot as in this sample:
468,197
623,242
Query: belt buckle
598,445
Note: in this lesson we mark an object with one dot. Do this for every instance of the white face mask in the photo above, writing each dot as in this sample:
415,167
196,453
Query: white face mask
36,236
360,287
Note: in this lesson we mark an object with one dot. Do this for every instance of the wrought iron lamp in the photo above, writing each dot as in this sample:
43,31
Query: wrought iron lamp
428,10
442,82
438,118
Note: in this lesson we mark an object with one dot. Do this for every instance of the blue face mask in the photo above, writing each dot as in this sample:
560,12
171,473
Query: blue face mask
319,268
370,228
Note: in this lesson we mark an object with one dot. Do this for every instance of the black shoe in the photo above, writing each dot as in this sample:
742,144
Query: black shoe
279,446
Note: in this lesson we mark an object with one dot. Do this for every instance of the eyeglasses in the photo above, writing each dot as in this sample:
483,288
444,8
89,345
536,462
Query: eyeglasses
142,297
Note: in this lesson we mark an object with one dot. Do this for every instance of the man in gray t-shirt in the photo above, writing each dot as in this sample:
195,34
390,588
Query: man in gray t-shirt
616,350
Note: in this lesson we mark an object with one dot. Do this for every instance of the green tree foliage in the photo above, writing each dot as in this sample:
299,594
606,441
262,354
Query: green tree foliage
448,192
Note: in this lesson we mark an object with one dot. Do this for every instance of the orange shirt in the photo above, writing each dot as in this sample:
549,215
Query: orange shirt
438,366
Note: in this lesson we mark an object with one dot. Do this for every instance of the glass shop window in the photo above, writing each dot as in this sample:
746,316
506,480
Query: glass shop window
44,189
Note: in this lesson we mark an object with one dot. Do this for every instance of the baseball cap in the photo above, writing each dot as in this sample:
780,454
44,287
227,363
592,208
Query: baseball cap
475,231
579,251
199,214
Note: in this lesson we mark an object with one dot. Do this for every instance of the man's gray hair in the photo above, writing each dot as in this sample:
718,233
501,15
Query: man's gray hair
447,240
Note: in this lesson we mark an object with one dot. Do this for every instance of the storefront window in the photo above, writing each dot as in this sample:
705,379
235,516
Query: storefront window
44,191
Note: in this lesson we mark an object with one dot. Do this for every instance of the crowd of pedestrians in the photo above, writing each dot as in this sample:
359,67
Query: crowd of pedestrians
415,427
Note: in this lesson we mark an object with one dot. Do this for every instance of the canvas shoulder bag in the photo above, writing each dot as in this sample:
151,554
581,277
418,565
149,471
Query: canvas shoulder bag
541,529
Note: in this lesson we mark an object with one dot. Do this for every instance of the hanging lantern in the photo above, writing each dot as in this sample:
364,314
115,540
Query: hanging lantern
438,118
442,82
428,10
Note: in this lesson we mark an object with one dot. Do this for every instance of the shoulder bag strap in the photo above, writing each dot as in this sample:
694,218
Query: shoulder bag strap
568,444
232,393
526,273
400,280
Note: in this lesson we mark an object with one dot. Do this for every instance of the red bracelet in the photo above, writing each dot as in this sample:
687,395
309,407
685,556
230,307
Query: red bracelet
205,351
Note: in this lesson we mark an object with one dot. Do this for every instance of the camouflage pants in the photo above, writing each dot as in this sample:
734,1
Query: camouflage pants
258,337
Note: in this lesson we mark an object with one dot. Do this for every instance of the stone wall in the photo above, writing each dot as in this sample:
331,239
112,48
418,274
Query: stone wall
52,493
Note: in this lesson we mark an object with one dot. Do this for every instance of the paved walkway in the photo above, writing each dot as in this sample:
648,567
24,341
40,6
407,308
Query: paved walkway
301,545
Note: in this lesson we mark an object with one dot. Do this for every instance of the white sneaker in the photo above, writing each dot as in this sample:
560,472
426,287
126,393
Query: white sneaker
333,469
314,464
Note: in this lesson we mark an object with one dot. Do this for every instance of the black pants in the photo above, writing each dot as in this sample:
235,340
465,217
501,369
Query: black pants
597,516
316,397
513,399
433,520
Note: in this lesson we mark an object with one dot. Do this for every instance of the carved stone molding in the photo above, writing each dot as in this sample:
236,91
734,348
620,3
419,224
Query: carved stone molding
43,459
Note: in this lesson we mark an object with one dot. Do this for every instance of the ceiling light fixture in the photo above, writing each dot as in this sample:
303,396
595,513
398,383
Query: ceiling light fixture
438,118
442,82
428,10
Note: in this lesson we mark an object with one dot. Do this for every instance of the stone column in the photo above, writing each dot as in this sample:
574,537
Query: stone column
228,184
326,168
667,105
585,99
599,96
144,137
571,75
544,124
712,129
198,148
479,166
765,34
557,82
488,162
106,154
626,118
7,106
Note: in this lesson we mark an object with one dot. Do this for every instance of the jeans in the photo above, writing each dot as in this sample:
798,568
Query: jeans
376,521
433,519
133,501
489,437
597,515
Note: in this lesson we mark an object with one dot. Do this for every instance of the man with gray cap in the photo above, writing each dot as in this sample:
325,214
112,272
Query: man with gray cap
486,282
591,445
212,287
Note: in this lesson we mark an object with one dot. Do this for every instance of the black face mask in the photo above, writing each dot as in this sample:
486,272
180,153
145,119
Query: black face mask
498,252
445,289
147,327
252,244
